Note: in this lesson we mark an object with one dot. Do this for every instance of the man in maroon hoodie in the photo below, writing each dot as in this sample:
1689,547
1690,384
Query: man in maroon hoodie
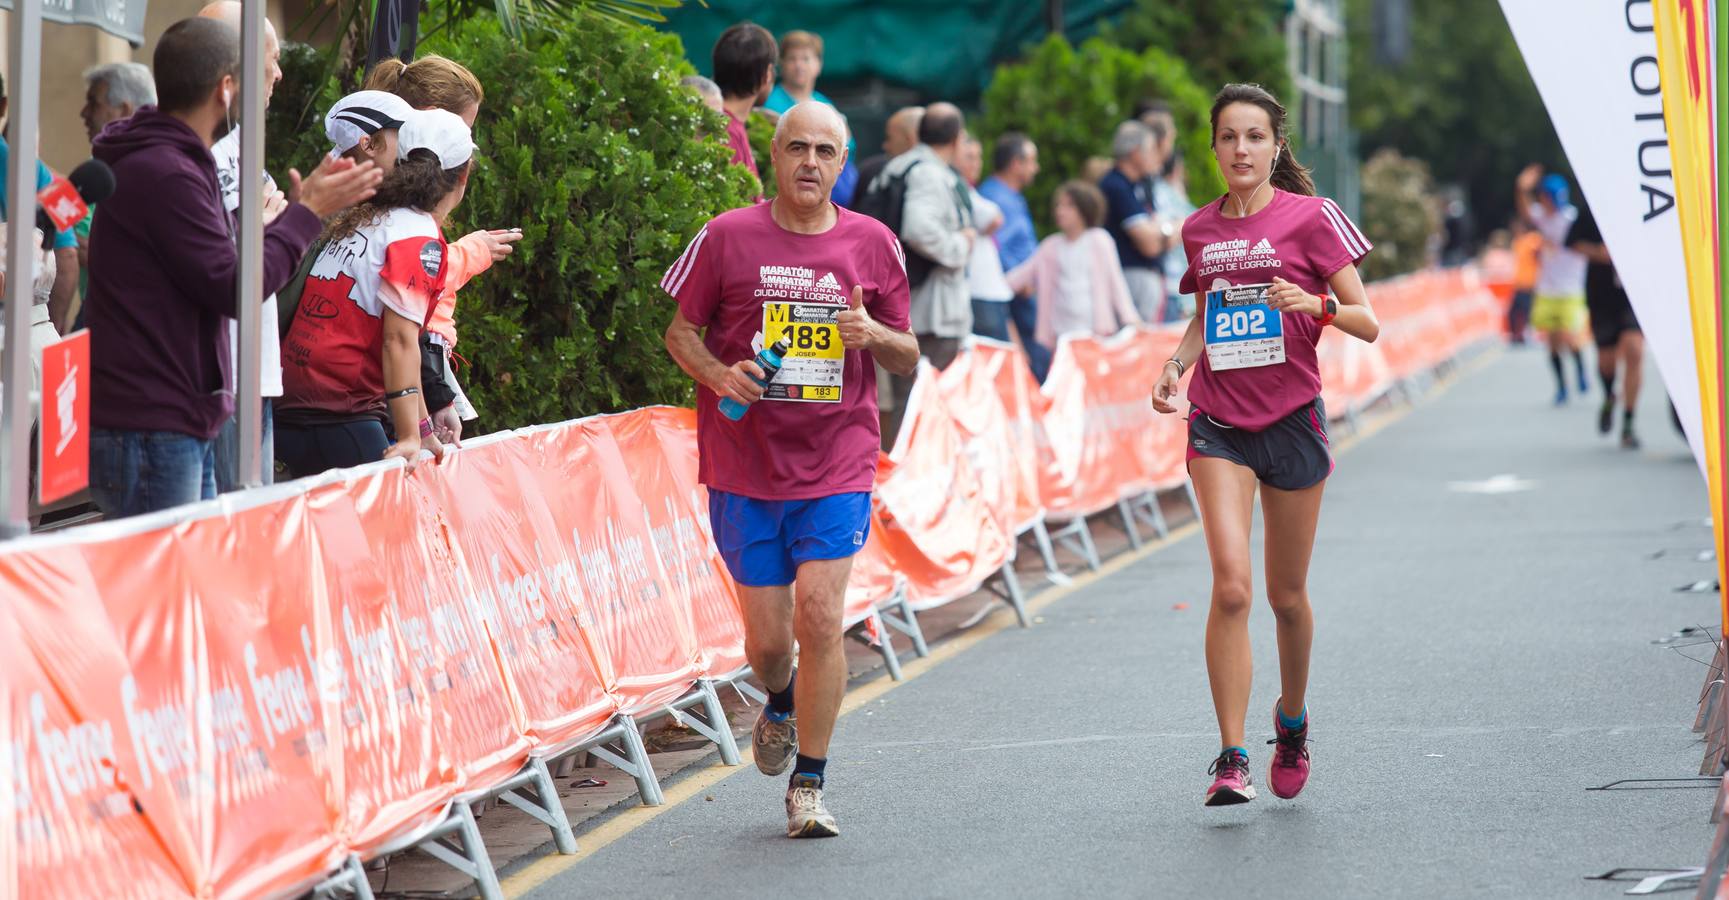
164,271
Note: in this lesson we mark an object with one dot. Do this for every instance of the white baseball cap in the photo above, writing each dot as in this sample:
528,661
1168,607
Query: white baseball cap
441,131
363,114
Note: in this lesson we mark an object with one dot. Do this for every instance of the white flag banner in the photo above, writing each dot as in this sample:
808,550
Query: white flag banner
1595,63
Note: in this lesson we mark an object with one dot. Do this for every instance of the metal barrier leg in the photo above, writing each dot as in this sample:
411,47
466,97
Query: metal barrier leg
1012,593
351,879
884,641
472,860
1042,536
899,615
1126,510
711,723
631,757
543,804
1154,515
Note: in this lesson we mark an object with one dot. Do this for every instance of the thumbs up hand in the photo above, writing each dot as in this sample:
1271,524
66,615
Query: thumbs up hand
858,331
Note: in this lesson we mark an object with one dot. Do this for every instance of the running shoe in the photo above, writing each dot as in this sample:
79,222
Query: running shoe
774,744
1289,770
1606,415
1629,440
1232,783
806,817
1561,396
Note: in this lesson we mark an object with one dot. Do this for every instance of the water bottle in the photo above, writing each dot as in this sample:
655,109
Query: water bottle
769,359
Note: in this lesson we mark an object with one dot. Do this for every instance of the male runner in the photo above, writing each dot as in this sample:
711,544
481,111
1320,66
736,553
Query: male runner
1613,326
790,482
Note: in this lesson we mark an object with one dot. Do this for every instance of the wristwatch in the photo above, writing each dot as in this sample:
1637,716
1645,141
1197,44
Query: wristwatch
1330,309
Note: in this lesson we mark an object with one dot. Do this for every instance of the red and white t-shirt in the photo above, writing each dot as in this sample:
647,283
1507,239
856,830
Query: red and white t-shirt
1304,240
333,356
748,281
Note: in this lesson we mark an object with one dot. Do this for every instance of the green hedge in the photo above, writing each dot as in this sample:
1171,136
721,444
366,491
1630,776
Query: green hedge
1071,99
1400,212
590,145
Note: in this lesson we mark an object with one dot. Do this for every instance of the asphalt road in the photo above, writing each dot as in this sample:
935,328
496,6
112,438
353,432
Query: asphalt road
1484,655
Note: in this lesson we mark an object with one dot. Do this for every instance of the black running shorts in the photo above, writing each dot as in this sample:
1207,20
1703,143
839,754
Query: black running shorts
1291,455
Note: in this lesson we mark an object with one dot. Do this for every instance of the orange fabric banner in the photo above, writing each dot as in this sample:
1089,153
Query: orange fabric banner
937,527
229,704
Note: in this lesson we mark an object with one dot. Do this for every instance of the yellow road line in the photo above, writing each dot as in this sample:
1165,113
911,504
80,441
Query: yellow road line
591,842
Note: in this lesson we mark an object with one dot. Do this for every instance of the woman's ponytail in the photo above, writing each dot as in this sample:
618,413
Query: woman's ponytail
1292,176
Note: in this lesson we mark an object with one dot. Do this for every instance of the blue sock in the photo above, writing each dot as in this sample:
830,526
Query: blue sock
810,767
1297,724
780,702
1242,750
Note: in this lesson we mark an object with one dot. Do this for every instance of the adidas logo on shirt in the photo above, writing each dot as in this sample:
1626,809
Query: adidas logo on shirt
829,281
1264,248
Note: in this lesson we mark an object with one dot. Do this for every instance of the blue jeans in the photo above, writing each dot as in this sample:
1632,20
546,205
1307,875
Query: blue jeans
228,452
1025,313
137,472
991,319
310,449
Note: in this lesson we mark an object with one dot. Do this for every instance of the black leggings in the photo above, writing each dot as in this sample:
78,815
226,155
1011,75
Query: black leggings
311,449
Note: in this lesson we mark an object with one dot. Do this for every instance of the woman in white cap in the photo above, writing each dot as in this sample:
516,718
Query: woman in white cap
351,358
363,127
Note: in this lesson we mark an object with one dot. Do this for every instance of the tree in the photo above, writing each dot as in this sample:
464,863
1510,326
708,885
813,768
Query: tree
1462,101
1069,100
1221,42
1399,209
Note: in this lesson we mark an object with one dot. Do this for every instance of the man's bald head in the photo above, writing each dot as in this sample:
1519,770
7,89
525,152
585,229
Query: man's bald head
228,11
809,152
902,130
942,125
812,118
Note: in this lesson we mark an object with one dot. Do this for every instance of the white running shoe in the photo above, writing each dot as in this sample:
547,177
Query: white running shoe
806,817
774,744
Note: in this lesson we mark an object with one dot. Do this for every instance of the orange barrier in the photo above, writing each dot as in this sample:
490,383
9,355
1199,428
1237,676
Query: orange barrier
232,699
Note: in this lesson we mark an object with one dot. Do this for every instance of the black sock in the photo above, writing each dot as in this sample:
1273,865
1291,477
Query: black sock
1579,367
1608,379
1555,363
810,766
1626,420
780,702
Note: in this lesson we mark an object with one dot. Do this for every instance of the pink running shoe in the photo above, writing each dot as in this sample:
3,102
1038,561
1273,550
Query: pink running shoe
1289,770
1232,783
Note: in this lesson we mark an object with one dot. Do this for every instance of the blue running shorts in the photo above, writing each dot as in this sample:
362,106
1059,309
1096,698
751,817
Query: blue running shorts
765,541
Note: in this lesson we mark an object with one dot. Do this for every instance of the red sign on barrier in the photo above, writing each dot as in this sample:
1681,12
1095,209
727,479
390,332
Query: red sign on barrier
64,437
62,203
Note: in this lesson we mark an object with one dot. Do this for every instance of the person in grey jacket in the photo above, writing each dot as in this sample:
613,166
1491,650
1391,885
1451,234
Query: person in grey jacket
936,224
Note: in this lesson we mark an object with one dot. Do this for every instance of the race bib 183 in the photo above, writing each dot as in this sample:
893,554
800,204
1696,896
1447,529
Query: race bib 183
1242,331
811,371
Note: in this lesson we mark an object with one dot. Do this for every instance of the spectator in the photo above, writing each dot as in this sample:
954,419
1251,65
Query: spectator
353,350
1158,117
434,82
1076,272
901,133
1096,168
800,66
163,274
112,91
937,232
42,332
1142,237
115,91
707,90
227,153
1014,163
1171,198
65,243
364,125
744,69
990,292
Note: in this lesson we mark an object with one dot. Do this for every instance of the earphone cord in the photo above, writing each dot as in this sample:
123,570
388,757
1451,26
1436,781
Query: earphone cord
1243,206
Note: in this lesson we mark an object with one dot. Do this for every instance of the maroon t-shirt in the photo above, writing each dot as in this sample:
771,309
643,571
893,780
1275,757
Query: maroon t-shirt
816,432
738,138
1304,240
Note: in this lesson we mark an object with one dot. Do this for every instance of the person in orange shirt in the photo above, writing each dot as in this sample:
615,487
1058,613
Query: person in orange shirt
434,82
1527,245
